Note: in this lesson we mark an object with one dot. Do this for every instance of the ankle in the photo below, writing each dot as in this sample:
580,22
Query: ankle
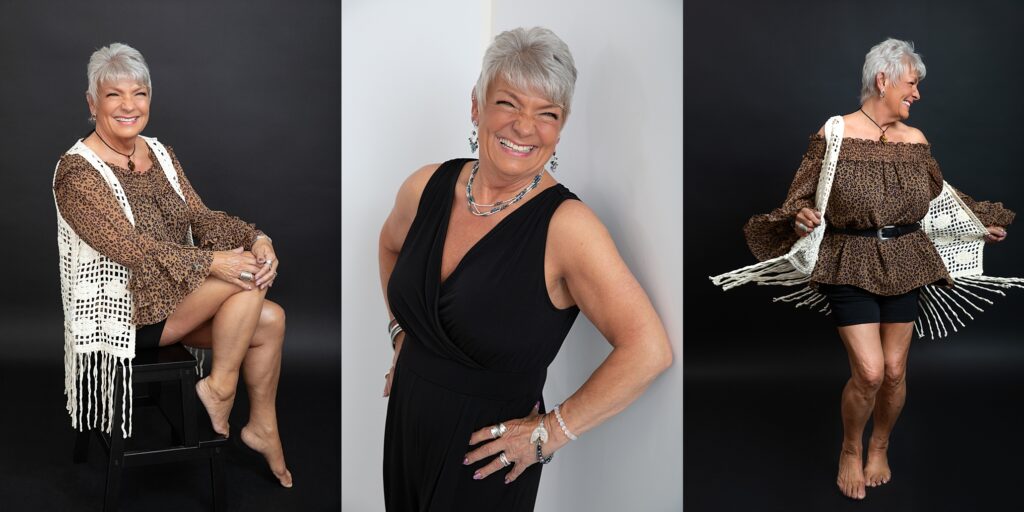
221,389
851,449
262,429
878,444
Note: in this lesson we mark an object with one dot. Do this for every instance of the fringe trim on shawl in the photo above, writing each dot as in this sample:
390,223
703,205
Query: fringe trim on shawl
200,355
939,305
776,271
89,383
940,308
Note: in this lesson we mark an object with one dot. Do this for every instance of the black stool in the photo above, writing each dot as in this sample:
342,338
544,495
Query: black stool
154,372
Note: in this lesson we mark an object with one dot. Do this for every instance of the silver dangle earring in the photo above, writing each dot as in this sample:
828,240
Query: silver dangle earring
474,143
553,163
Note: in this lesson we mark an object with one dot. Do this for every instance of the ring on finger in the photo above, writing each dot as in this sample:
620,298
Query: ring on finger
245,275
498,430
802,226
504,460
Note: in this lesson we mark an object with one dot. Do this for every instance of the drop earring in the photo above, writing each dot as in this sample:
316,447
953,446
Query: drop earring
553,163
473,141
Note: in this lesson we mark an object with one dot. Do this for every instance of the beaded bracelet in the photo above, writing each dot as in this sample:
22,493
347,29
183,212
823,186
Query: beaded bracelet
561,423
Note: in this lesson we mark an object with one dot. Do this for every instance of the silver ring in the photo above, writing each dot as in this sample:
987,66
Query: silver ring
803,227
504,460
245,275
498,430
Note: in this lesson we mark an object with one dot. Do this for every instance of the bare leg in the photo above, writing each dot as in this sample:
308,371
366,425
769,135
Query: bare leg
891,397
235,313
864,347
261,370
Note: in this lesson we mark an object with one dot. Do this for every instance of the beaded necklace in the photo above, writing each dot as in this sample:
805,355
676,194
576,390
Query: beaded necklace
474,207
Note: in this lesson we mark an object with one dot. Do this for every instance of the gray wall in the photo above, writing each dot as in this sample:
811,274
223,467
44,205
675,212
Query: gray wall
407,74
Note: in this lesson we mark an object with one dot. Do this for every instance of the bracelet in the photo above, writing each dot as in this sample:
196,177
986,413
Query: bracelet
393,330
540,436
263,236
561,423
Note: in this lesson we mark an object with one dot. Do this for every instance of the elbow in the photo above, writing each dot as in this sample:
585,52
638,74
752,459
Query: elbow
663,360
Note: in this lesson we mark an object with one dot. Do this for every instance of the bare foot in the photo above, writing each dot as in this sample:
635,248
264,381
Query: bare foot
268,443
877,471
217,406
851,474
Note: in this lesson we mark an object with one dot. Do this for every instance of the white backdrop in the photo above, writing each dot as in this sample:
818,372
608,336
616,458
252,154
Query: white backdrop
407,72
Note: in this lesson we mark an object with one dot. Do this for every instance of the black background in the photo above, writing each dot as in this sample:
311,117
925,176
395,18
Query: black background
762,380
247,93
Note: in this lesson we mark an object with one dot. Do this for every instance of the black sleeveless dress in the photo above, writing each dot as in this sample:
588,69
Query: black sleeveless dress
476,351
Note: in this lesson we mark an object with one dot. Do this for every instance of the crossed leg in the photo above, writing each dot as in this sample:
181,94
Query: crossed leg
246,333
889,402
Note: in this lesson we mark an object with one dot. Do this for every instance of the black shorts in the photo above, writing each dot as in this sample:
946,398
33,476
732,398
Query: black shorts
148,336
852,305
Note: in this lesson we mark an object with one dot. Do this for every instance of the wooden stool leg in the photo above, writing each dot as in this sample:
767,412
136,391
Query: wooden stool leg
189,421
115,464
220,495
82,446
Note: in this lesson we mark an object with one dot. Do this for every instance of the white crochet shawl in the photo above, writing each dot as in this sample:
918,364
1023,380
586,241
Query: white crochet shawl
956,232
99,335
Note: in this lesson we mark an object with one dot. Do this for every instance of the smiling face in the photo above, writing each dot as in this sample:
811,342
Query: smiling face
902,93
121,109
518,129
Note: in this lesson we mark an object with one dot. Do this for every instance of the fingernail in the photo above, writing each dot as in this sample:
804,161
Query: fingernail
507,480
477,476
465,462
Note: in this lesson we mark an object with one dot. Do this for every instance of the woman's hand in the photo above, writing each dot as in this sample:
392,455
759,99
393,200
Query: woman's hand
515,444
805,221
394,360
263,249
229,265
995,234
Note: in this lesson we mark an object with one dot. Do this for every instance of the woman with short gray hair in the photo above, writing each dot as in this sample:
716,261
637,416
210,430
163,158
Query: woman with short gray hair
874,259
485,264
144,263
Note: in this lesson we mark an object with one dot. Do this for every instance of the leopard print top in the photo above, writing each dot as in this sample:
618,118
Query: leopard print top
164,267
875,185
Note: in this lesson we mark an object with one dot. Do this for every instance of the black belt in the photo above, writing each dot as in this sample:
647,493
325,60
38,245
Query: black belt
883,233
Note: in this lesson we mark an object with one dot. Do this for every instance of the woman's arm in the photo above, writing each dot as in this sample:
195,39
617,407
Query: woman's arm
85,201
598,281
392,236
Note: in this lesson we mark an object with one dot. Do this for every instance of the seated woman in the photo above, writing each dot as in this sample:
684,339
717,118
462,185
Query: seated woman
131,276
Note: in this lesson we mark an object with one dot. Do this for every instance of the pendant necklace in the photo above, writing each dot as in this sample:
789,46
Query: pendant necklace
881,138
131,164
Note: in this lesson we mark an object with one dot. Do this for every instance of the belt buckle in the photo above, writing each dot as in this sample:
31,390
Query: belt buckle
883,237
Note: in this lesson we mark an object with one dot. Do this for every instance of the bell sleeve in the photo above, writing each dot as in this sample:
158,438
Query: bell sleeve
162,273
989,213
213,230
771,234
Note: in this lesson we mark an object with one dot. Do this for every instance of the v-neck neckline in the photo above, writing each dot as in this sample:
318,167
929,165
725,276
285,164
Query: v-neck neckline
450,200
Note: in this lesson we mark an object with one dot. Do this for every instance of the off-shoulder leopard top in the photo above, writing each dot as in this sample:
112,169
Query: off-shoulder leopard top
875,185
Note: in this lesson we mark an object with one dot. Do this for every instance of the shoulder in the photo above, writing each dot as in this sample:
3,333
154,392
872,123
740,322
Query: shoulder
574,228
73,168
912,135
413,186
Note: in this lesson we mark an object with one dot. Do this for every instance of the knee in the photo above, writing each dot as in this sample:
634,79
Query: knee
894,375
869,378
272,315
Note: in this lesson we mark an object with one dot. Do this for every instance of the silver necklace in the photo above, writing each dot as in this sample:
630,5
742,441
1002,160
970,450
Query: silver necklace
474,207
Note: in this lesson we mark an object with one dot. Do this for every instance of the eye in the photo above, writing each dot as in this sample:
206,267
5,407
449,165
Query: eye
111,94
552,115
141,93
503,102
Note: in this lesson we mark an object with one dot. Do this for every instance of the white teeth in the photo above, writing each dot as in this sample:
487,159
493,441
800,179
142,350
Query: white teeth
508,144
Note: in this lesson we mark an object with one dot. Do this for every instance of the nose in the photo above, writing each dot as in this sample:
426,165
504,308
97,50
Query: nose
127,103
523,125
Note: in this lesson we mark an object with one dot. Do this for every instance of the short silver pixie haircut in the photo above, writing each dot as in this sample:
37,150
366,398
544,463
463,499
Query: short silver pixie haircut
116,62
530,59
892,57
